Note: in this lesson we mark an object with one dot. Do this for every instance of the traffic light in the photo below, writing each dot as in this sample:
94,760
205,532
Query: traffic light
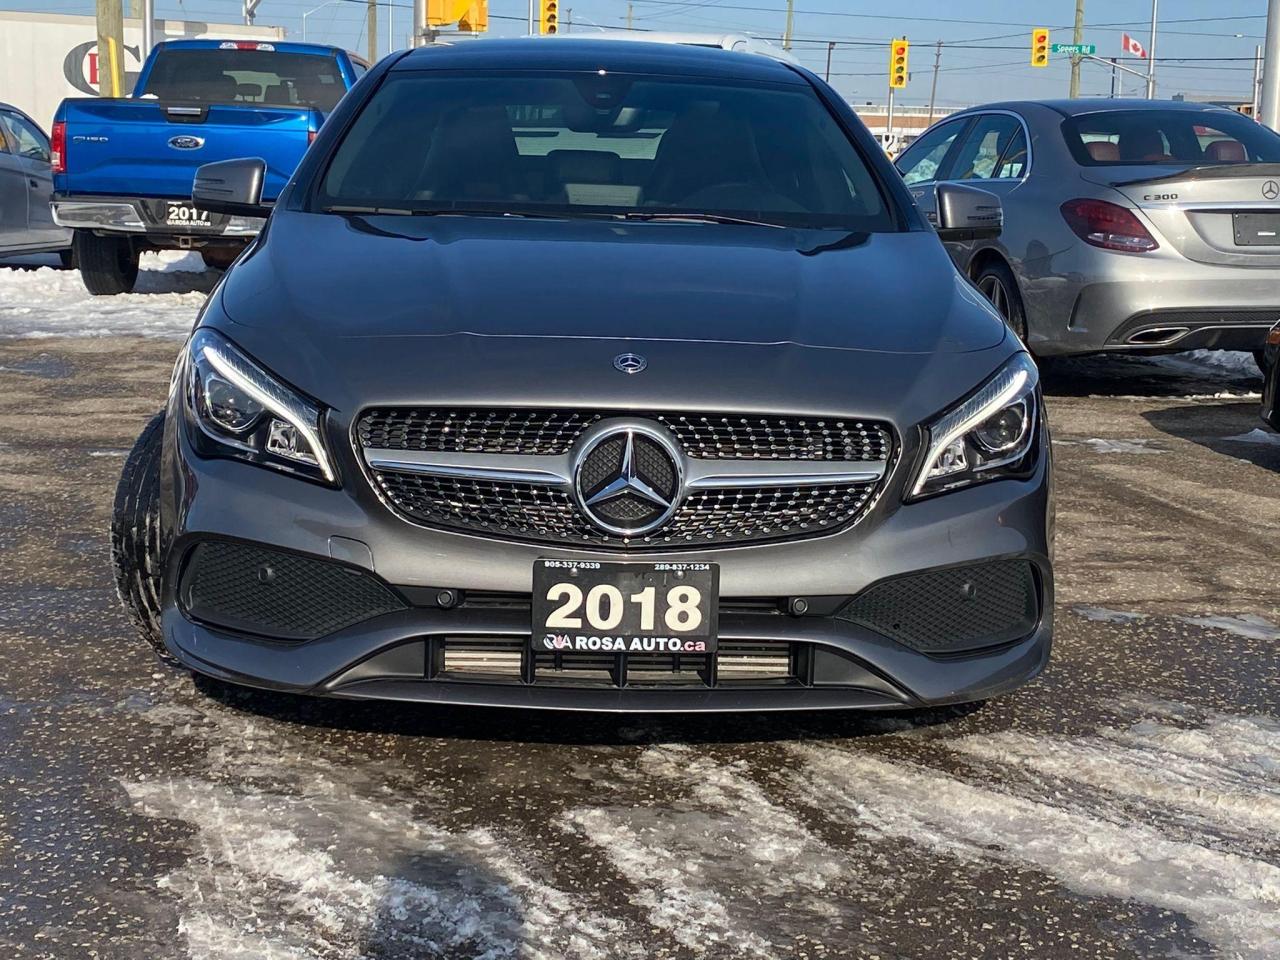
471,16
1039,47
548,16
898,52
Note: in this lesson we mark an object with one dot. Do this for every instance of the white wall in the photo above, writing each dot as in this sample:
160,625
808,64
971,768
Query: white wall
45,57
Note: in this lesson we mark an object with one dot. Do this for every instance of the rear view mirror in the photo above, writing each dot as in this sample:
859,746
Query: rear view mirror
967,213
231,186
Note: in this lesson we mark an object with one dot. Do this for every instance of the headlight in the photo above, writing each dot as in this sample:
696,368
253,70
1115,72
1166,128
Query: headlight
242,411
991,434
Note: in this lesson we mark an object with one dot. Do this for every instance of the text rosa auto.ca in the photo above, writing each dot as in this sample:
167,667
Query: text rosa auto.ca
564,642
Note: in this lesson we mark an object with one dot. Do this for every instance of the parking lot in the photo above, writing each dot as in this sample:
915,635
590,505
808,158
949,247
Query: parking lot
1123,805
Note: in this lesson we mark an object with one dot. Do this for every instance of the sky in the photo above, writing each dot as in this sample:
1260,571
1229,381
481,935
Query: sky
985,53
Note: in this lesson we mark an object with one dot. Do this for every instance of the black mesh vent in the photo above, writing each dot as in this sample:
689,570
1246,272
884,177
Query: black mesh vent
948,611
543,514
551,432
282,595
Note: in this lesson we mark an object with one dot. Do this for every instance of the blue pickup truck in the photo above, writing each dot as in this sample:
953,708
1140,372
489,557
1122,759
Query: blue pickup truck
123,168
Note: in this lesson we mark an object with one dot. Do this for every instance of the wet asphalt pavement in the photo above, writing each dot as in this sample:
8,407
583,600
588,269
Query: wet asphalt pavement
1124,805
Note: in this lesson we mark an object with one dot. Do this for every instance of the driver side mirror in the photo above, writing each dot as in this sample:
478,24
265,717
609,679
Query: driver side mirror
967,213
231,186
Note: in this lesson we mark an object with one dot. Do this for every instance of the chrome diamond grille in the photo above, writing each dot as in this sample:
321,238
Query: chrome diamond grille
522,511
552,432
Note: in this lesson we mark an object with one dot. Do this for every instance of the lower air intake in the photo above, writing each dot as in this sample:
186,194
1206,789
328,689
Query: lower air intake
284,596
952,610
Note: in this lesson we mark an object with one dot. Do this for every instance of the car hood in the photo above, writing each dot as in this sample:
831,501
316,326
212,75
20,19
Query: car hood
381,309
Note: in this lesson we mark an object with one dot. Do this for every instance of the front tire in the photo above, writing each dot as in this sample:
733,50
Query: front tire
998,284
108,265
135,537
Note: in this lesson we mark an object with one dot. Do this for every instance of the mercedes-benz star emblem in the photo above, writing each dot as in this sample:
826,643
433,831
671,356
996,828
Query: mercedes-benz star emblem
1271,190
627,479
629,362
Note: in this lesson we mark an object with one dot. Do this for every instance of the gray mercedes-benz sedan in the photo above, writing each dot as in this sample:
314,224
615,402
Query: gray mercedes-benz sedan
1133,225
609,376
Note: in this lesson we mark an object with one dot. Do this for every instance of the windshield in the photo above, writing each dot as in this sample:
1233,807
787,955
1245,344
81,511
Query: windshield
577,144
1169,136
246,76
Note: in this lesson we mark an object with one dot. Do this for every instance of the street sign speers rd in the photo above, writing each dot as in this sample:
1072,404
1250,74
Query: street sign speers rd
1086,48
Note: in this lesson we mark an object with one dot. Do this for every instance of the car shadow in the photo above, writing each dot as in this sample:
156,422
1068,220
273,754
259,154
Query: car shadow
1119,375
498,724
1230,429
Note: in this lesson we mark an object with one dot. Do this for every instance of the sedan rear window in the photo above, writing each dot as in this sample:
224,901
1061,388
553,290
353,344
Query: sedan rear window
574,144
1168,137
246,76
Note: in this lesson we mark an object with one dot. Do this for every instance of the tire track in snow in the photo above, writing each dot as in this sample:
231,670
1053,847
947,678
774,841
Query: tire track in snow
718,867
299,855
1233,898
1218,773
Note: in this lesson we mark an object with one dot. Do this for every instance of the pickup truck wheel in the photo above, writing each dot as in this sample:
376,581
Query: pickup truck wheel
135,537
108,265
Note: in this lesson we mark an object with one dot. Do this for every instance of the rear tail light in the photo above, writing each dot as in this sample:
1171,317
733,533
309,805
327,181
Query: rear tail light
1108,225
58,148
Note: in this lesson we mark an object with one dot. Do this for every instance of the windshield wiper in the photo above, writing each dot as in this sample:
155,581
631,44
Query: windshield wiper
381,211
428,211
699,218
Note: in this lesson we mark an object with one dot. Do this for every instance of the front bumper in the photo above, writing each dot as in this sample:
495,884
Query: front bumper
144,215
830,661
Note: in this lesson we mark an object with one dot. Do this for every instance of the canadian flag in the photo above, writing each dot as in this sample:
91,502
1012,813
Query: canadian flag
1133,47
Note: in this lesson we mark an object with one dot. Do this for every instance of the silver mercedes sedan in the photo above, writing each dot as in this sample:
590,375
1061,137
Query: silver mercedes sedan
1133,225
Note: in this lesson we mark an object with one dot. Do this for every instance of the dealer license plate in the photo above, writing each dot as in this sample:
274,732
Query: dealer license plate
584,606
181,214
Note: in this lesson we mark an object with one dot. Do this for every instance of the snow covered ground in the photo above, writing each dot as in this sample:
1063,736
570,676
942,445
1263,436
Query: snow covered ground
44,301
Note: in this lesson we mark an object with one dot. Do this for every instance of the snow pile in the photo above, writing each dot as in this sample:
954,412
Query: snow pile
54,303
1234,362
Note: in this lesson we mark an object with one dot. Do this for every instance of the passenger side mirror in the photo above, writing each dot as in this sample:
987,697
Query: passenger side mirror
967,213
231,186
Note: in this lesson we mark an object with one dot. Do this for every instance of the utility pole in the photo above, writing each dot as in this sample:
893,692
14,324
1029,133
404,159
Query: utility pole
1115,79
630,8
933,90
148,27
533,15
110,48
568,19
1270,106
373,31
1077,37
420,21
1151,52
250,11
831,48
786,34
1257,79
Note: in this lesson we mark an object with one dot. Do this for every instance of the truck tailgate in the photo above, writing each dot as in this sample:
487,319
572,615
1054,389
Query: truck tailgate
152,148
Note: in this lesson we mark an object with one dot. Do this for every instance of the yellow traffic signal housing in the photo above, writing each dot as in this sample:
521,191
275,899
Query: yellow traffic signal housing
899,50
548,16
1040,47
471,16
